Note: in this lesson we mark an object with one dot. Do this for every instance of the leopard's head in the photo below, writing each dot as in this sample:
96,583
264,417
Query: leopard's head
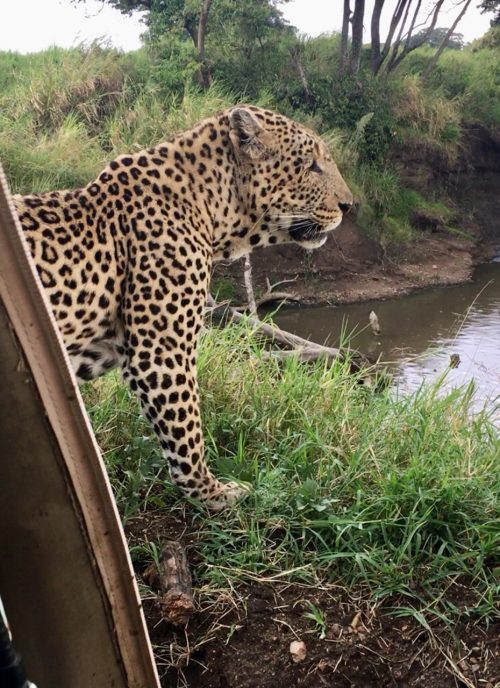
290,184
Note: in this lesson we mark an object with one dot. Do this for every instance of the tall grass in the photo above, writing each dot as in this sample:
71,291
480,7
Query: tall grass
399,495
428,118
64,113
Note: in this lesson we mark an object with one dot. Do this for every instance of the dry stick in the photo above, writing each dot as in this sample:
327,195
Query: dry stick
282,296
176,586
247,276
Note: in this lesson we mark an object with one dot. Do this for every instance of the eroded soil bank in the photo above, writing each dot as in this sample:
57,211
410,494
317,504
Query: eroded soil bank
350,268
241,638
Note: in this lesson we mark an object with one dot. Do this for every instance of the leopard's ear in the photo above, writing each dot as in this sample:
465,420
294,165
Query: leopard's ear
245,133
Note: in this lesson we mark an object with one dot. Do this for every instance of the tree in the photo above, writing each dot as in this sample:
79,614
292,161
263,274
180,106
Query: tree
375,34
491,6
357,36
402,36
403,21
344,40
435,38
251,47
190,16
204,75
211,27
434,60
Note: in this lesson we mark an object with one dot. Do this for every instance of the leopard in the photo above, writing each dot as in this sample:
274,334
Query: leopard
126,261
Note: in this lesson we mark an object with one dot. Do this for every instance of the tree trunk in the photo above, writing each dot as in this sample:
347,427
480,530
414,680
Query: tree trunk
434,60
396,18
344,40
204,76
299,68
357,36
375,34
191,27
396,59
395,47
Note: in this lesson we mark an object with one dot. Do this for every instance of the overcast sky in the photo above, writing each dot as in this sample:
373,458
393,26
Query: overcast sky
31,25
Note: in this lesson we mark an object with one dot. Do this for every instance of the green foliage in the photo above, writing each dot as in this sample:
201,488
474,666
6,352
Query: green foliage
436,37
63,113
254,55
399,494
474,78
348,102
490,40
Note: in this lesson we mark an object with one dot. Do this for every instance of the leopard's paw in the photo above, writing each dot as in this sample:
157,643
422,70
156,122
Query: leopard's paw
225,494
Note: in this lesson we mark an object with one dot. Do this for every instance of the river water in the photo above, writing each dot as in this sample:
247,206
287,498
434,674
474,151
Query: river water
421,333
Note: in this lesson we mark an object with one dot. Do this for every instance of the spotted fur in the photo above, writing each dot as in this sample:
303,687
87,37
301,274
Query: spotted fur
126,261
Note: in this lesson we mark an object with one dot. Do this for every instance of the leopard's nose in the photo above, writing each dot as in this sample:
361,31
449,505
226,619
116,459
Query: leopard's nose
345,207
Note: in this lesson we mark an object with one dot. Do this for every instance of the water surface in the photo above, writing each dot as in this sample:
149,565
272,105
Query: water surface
420,332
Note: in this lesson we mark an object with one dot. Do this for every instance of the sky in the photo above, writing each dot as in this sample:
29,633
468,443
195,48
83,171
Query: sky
32,25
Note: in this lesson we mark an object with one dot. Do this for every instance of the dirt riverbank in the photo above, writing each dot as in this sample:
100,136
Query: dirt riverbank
240,637
351,267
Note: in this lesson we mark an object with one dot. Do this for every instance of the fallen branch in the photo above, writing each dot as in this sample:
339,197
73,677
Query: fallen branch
300,346
270,286
281,296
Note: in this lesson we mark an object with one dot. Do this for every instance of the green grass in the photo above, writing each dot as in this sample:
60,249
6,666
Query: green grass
65,113
351,486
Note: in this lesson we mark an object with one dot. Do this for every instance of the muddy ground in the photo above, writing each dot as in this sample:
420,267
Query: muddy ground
351,267
241,638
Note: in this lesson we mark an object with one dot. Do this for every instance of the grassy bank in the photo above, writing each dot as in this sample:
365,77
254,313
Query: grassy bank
349,486
395,498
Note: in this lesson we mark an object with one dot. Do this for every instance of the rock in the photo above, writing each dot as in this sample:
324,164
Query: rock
374,323
298,650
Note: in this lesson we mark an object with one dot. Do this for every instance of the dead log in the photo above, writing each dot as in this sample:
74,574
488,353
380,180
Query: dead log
286,339
175,584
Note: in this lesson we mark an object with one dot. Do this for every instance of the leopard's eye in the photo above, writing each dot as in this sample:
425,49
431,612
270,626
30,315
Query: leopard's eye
315,167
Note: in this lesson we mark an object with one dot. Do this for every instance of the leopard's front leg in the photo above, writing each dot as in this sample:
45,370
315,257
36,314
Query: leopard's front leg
161,336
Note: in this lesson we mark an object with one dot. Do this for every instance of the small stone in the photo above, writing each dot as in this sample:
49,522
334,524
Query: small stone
355,621
298,650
